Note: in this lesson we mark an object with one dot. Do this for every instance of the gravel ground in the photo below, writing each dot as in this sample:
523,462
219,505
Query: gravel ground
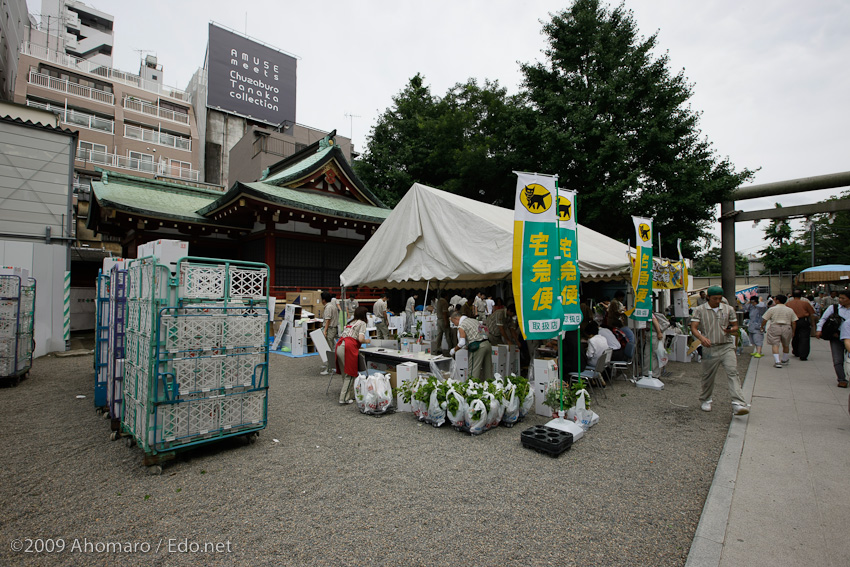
342,488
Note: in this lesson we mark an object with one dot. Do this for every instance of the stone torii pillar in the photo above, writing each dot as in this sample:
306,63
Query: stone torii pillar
729,216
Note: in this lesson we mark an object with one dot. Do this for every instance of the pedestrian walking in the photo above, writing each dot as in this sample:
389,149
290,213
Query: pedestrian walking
782,320
714,324
842,311
754,310
801,342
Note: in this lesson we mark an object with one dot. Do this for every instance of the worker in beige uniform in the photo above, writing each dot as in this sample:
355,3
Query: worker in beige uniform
480,307
443,324
783,322
379,310
714,323
476,342
331,323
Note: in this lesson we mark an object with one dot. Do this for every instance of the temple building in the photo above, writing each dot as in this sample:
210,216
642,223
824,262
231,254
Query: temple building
307,216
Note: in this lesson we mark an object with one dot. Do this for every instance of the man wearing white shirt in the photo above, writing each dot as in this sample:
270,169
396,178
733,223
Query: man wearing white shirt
835,344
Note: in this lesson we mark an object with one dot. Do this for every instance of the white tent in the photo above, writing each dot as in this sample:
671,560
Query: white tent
436,236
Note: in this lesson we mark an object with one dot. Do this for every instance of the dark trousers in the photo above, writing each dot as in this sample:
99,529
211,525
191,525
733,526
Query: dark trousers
837,348
800,345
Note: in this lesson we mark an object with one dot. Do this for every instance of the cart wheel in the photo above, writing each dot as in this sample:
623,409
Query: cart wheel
105,414
114,436
131,442
155,470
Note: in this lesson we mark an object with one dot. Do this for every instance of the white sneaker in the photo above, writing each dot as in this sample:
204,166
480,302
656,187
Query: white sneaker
739,409
706,406
777,365
786,361
324,373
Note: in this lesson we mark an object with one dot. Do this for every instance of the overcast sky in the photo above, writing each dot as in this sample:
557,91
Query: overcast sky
769,76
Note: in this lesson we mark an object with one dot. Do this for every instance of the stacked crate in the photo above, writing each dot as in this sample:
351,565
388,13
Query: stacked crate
196,354
101,339
17,319
115,341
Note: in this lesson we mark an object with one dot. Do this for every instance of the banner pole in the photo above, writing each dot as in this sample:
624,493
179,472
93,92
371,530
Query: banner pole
561,369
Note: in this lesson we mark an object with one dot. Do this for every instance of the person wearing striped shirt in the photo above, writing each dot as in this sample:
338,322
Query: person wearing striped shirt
714,324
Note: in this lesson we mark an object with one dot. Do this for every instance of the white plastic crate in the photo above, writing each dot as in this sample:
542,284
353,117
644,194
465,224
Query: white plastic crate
182,331
239,370
198,374
201,281
248,283
245,330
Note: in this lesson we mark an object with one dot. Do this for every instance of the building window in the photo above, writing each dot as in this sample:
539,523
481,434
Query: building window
92,152
141,162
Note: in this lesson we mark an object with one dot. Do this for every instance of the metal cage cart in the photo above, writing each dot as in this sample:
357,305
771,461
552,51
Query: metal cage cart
101,340
17,320
115,342
196,346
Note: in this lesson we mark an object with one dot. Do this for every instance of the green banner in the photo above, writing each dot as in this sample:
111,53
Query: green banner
642,270
536,257
568,250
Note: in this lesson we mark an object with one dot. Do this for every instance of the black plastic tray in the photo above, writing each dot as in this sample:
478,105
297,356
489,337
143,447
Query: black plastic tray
546,440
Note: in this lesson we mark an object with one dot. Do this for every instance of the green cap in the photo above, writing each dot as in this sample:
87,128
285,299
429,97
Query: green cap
714,290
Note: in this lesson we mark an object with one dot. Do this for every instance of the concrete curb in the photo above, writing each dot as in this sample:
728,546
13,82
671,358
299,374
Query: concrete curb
707,546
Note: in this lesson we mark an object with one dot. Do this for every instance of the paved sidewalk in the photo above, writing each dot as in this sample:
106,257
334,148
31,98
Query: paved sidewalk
781,492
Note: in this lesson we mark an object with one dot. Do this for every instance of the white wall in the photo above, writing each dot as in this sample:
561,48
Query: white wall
46,263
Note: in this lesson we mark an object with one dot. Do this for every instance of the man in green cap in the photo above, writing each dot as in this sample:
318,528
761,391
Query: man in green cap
714,324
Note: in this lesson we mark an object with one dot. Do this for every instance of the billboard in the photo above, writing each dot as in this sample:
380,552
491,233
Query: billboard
250,79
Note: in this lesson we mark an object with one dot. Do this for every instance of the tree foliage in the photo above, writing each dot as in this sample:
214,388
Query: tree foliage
783,253
613,123
832,236
601,111
708,263
460,143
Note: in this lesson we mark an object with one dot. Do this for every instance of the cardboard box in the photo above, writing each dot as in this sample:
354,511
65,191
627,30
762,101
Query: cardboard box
384,343
462,364
545,370
109,263
500,359
169,252
404,372
540,395
512,364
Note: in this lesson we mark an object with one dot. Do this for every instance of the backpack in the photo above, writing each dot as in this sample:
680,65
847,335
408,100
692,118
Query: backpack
620,336
832,326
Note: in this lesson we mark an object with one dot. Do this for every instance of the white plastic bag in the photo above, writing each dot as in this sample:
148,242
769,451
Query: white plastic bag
370,395
526,404
436,411
661,354
383,393
456,418
510,406
360,392
580,414
420,409
476,425
494,411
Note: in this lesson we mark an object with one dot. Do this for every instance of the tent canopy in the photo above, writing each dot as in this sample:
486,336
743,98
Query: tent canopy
826,273
435,236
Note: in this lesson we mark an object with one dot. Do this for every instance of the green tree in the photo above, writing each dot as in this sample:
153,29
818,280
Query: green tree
708,263
463,142
784,253
832,234
614,123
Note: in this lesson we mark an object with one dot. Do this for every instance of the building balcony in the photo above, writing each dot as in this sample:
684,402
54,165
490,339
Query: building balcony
65,86
161,168
77,118
145,107
156,137
77,64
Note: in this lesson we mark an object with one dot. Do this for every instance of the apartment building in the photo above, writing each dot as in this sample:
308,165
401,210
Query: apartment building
14,22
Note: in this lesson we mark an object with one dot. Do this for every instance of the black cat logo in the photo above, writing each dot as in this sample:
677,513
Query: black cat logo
536,198
564,209
644,231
